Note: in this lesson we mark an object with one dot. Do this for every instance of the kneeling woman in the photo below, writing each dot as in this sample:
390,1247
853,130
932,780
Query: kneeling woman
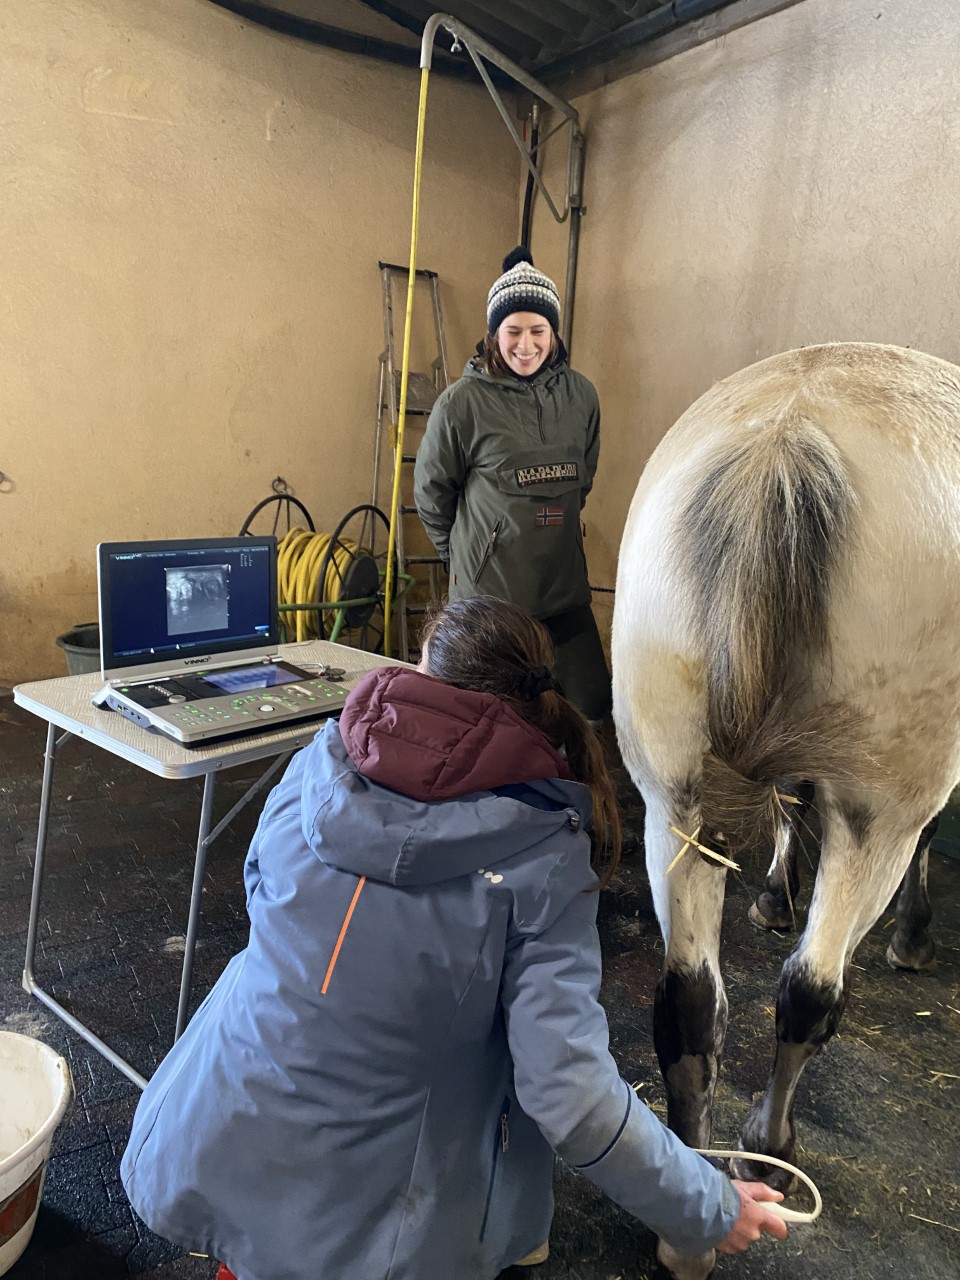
377,1084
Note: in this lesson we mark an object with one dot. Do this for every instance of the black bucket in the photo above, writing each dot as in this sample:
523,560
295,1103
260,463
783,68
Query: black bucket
947,839
82,648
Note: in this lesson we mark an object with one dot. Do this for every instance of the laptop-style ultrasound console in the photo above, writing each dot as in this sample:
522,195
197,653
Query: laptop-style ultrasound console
189,640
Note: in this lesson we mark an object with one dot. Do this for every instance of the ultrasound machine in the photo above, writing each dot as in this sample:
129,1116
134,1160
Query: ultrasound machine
189,640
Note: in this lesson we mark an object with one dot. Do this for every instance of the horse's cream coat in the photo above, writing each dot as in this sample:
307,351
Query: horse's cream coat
881,647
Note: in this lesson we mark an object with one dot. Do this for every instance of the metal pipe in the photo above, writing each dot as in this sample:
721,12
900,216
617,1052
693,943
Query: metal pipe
492,54
575,188
475,46
512,128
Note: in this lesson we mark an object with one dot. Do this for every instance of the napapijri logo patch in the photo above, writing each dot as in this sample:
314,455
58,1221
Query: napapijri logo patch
547,516
545,473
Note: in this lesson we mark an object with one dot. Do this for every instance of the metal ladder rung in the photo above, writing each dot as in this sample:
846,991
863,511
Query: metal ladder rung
422,272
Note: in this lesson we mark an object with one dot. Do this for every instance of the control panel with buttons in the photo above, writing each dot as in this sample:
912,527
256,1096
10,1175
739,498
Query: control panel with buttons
205,705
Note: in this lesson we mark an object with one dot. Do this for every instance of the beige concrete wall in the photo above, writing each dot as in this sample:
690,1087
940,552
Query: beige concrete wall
796,182
193,209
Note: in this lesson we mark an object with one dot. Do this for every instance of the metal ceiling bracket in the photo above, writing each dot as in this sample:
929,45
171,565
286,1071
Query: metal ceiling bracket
479,48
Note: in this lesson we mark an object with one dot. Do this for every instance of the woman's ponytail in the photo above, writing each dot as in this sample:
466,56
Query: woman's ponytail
491,646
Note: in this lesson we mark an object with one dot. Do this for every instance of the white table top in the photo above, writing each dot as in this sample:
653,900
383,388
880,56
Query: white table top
66,702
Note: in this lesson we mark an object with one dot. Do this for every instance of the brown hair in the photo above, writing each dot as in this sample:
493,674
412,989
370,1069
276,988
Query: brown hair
491,646
494,364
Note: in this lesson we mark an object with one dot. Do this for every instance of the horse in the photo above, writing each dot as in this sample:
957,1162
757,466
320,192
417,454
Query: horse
910,947
787,612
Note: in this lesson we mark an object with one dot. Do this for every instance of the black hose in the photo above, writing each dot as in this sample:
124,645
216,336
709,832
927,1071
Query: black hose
278,498
528,194
322,33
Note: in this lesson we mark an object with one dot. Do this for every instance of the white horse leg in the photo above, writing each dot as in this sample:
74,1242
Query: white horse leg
776,907
911,946
865,854
690,1006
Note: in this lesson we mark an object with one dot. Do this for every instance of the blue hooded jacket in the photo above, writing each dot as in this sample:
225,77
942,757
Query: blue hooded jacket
375,1087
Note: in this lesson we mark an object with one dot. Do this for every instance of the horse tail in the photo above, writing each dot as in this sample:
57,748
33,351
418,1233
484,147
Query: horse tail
763,533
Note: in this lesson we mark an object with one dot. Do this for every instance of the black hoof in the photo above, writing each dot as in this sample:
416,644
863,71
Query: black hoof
915,959
766,914
754,1171
631,842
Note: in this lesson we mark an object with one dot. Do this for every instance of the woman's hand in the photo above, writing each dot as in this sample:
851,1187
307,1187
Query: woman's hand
754,1220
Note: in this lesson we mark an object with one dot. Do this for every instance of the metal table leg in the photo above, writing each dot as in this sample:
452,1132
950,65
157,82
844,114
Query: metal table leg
29,982
205,837
49,756
196,893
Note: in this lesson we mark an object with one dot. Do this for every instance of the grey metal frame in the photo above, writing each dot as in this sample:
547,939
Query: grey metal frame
205,837
65,703
478,47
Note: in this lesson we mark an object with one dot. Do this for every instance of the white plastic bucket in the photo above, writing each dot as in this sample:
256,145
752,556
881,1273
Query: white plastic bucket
35,1087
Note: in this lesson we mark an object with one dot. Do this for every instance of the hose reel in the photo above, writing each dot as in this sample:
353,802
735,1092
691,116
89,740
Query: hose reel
329,584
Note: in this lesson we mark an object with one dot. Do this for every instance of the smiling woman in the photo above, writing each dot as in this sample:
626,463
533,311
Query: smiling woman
504,470
524,341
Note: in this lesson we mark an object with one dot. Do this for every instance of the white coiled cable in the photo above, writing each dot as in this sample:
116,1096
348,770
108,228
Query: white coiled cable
794,1216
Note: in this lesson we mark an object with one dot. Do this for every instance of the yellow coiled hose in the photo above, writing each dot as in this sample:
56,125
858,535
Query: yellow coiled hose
300,555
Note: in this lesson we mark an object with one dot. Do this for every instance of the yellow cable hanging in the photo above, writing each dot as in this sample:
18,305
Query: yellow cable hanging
405,365
300,555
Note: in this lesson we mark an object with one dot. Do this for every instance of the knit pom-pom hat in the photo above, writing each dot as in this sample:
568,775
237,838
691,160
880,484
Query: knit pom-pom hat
522,288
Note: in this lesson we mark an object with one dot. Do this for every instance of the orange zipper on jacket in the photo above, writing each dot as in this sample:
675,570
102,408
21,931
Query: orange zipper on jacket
342,935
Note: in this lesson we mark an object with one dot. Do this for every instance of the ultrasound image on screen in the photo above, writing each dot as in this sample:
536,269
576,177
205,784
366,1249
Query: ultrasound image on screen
198,599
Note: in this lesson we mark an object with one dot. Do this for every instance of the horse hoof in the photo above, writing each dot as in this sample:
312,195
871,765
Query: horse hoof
766,917
754,1171
683,1267
923,958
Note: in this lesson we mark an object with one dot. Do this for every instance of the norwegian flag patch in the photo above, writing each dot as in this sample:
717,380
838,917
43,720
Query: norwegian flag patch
549,516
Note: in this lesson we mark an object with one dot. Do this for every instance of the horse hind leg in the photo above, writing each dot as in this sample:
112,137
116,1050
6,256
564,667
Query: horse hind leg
776,907
863,859
690,1006
911,946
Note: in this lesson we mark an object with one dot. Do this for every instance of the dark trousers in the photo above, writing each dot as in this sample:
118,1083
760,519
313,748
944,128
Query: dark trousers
581,667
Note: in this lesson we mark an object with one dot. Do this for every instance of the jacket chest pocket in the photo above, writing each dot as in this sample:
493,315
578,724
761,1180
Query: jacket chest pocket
542,473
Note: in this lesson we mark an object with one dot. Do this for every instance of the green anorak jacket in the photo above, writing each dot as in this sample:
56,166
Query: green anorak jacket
500,479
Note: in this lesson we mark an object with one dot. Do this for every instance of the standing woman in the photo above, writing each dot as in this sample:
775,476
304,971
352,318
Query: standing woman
504,470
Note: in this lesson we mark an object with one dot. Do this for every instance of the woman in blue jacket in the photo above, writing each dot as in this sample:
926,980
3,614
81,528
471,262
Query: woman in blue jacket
377,1084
